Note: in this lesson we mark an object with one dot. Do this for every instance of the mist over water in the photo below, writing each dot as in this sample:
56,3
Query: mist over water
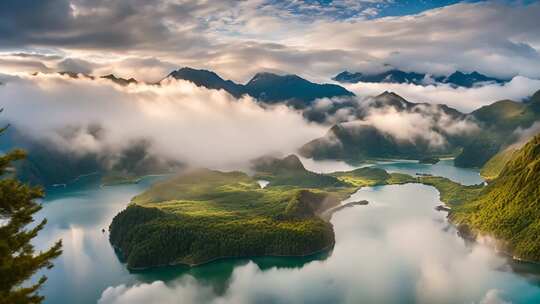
326,166
397,249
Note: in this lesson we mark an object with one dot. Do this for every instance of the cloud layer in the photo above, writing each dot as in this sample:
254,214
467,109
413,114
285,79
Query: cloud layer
463,99
182,121
426,123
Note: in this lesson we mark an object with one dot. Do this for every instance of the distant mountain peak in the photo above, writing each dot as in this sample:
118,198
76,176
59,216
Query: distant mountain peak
457,78
262,76
207,79
75,74
268,76
187,72
299,92
535,101
265,86
391,99
389,94
120,80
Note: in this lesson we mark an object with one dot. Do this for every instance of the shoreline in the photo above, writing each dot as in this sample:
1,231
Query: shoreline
192,265
444,207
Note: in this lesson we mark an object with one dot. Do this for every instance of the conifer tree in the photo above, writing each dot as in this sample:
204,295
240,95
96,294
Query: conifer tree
18,259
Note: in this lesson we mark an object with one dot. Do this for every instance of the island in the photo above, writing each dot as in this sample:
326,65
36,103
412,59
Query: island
202,215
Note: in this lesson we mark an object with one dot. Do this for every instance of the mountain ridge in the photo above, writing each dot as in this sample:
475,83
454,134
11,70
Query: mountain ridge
509,207
457,78
265,87
496,128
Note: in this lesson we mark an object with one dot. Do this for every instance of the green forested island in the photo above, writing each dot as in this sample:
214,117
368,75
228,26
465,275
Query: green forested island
203,215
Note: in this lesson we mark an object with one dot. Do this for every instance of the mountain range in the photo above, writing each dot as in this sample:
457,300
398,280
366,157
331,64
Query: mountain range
352,139
508,209
47,164
265,87
456,79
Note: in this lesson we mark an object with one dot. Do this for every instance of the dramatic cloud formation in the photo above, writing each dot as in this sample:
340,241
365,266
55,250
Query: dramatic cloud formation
311,38
463,99
420,123
429,125
181,121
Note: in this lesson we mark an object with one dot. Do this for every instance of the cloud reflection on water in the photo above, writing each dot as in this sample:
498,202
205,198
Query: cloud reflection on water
395,250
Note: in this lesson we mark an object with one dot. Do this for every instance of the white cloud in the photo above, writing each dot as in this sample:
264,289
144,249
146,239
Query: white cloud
493,296
463,99
405,126
524,135
185,291
421,124
182,121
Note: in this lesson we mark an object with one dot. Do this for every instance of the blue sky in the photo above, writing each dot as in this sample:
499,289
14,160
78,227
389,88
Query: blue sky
340,9
408,7
369,9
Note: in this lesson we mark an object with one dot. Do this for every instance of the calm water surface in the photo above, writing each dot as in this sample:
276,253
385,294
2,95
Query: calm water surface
397,249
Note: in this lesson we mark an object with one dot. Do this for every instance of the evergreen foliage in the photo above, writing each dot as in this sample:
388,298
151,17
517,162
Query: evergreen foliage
18,259
508,208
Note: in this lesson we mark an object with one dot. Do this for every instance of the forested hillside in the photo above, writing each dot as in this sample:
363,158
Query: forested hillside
508,209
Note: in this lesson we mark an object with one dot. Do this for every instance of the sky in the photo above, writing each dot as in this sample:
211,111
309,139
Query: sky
315,39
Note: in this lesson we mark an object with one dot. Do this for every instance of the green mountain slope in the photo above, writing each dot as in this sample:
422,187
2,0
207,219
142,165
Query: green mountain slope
496,129
508,209
495,165
358,141
498,123
290,171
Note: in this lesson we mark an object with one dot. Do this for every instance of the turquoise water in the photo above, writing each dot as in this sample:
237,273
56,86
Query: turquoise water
444,168
397,249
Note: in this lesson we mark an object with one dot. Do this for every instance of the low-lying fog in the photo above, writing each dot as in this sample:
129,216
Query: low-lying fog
210,128
183,122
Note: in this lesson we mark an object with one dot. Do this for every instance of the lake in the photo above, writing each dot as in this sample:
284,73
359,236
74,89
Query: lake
397,249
